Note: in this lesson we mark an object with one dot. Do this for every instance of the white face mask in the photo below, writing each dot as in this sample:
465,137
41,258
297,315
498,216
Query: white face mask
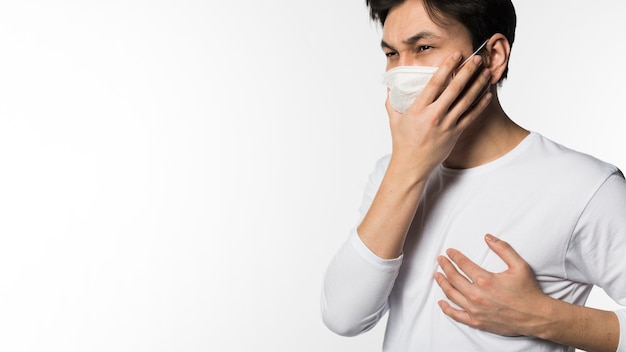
406,82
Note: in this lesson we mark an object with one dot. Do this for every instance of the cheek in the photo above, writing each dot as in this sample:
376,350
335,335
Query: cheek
434,59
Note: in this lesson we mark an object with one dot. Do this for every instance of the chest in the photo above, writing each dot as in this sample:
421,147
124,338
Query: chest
537,219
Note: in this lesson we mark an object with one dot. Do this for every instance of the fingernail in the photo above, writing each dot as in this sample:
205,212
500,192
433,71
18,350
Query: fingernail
477,59
491,238
457,56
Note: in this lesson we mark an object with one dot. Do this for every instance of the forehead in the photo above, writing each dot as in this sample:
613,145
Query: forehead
410,17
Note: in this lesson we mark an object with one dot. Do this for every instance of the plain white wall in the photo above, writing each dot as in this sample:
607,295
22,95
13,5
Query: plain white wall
176,174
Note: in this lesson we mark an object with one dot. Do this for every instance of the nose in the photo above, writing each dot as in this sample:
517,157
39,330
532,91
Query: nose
402,60
406,60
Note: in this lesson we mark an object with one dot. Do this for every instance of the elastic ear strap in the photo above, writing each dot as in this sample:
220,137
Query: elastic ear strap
474,53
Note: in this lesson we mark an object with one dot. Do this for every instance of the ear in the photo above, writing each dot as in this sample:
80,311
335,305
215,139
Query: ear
498,52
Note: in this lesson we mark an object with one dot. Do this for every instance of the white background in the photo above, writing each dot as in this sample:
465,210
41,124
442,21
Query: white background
176,174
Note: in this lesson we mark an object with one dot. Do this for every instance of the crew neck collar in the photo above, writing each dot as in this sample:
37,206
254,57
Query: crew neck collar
494,163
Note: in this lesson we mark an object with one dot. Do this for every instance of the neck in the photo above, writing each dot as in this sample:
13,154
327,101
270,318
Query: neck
490,137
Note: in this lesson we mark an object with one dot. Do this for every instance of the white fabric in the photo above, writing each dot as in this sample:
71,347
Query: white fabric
405,83
563,212
621,316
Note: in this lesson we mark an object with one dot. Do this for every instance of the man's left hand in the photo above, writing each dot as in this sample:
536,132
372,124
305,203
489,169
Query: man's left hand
509,303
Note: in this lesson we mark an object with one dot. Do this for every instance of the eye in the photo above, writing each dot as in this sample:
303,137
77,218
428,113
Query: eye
391,54
424,48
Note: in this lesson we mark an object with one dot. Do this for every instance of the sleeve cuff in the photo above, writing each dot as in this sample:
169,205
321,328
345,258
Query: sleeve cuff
388,265
621,316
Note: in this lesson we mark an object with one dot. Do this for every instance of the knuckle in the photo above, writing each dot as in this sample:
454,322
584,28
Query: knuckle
475,317
462,261
478,325
475,298
482,281
438,80
505,245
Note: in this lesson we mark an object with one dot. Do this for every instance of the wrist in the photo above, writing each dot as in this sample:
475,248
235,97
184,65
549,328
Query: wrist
552,318
408,171
577,326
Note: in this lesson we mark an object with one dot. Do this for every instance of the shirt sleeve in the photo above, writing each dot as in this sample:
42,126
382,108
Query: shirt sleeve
598,244
357,283
621,316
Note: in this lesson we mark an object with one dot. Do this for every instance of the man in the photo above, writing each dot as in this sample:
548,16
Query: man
460,172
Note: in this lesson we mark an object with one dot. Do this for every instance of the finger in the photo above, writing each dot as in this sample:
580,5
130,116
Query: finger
456,279
390,110
471,96
462,81
450,291
471,269
440,79
504,250
473,112
456,314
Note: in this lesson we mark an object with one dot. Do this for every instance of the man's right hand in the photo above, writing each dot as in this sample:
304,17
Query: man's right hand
424,136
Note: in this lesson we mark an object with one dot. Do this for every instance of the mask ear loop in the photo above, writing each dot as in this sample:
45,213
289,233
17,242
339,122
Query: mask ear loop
488,86
470,57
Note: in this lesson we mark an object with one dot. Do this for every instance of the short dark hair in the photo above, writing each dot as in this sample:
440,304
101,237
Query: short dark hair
482,18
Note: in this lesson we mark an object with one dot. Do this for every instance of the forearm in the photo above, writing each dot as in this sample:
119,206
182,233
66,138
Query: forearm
585,328
384,227
422,138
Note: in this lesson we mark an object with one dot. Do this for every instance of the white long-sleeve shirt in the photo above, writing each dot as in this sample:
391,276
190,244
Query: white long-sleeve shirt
564,212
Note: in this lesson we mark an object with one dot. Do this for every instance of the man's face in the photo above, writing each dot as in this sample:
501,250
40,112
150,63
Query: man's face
411,38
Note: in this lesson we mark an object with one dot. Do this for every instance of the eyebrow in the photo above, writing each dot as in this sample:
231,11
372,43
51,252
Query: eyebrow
411,40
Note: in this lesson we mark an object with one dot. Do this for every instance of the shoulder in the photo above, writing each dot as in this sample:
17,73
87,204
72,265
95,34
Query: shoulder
556,158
